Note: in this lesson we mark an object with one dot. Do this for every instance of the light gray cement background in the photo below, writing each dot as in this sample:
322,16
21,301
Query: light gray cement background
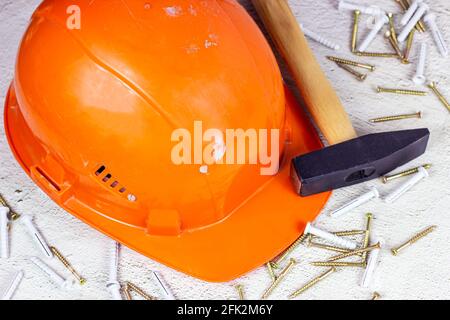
419,273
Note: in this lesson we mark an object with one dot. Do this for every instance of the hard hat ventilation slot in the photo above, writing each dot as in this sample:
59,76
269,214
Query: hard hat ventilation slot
100,170
106,177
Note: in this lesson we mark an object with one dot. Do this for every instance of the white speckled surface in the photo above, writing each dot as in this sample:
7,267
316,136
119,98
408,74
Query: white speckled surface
420,273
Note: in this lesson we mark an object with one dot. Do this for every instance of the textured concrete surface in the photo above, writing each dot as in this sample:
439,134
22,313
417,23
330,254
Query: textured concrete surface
419,273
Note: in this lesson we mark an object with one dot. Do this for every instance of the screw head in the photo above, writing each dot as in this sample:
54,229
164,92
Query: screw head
432,85
394,252
274,265
14,216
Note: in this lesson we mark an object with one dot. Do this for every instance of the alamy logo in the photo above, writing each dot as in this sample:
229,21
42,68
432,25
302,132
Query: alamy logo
74,19
232,146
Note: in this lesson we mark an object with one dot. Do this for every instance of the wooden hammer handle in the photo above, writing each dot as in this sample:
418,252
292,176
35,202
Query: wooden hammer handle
318,94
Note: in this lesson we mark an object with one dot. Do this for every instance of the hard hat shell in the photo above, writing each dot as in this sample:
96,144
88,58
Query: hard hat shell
91,112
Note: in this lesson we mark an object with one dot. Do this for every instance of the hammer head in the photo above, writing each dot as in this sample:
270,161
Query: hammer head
355,161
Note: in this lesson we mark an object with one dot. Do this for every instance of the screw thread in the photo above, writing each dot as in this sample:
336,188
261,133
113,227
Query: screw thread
312,283
394,44
351,63
67,265
409,45
275,264
358,75
402,91
126,292
278,279
356,252
392,27
377,54
339,264
422,234
414,239
139,291
369,217
357,14
328,247
349,233
444,101
270,270
405,173
398,117
240,290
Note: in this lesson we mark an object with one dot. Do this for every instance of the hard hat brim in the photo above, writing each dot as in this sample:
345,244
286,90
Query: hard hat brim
256,232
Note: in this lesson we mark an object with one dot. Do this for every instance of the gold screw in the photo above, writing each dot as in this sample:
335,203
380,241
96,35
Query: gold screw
369,217
240,290
349,233
68,266
271,272
278,279
377,54
394,44
276,264
432,86
3,201
12,215
414,239
355,252
327,247
358,75
406,173
352,63
392,27
357,14
139,291
398,117
409,43
376,296
312,283
339,264
126,292
402,91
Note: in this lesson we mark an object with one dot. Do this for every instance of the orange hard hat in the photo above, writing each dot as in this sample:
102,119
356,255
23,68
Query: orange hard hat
91,112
